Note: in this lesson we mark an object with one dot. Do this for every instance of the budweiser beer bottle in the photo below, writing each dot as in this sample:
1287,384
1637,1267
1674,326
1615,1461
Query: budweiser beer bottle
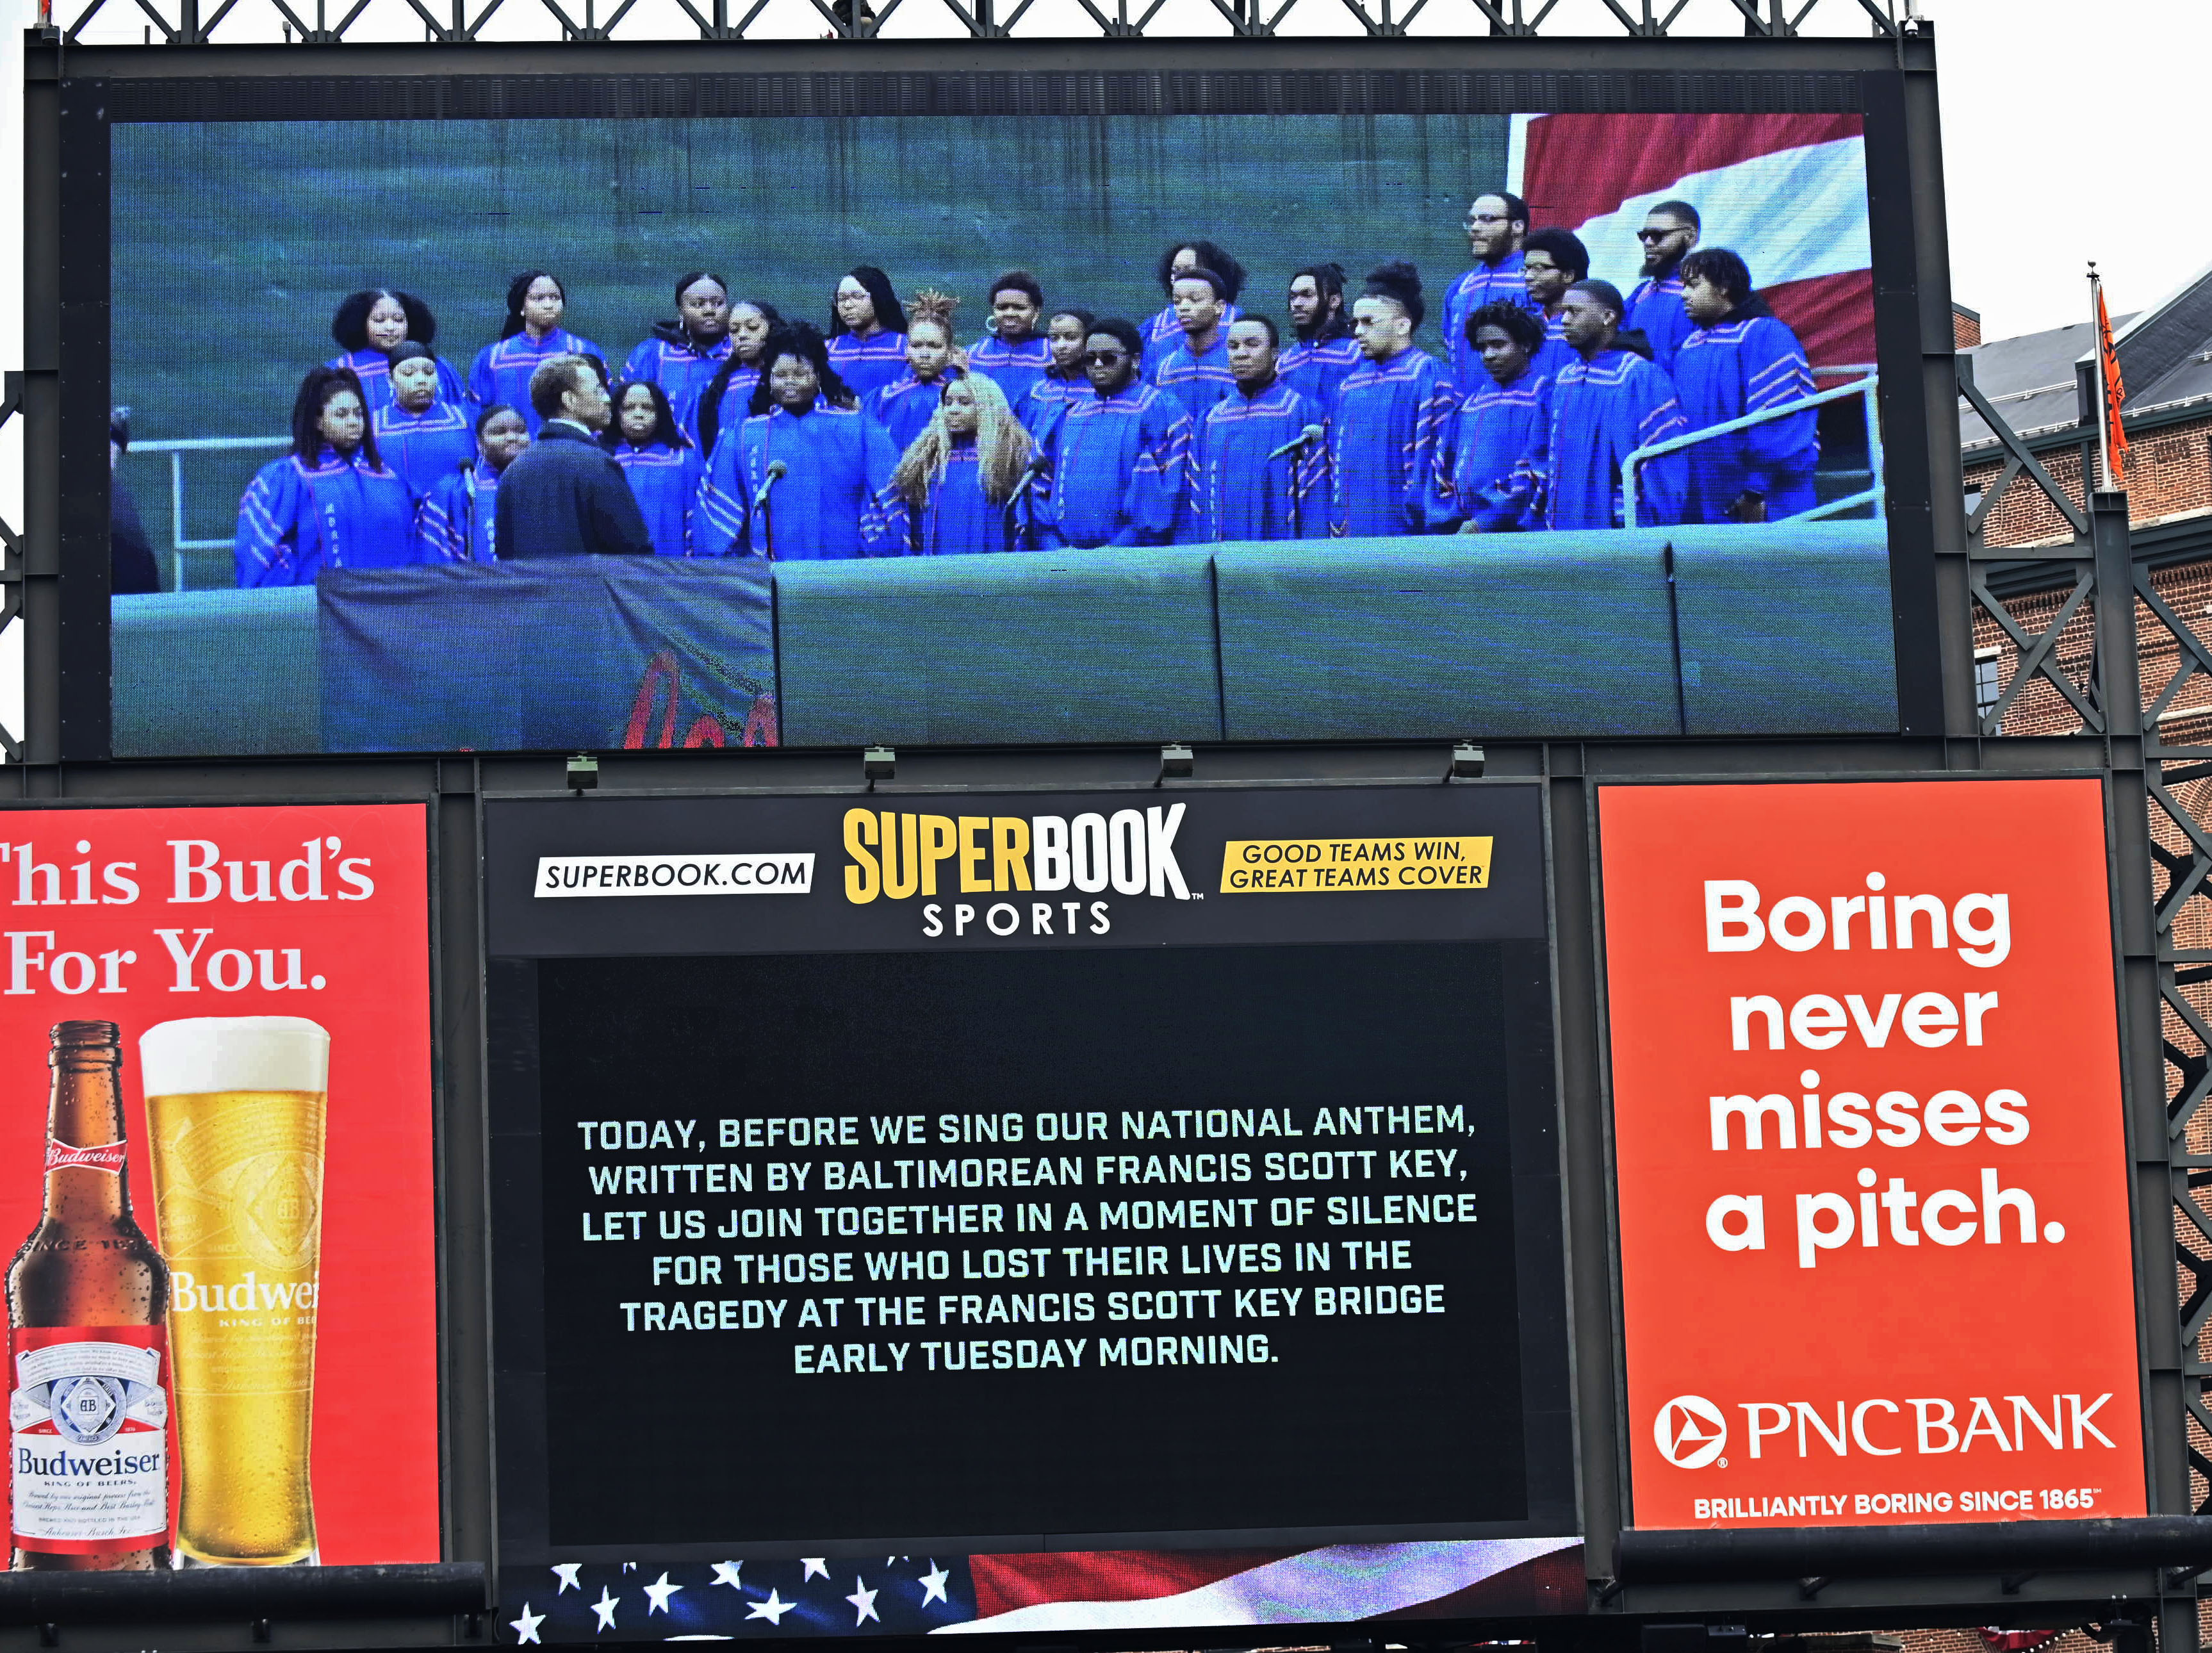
88,1310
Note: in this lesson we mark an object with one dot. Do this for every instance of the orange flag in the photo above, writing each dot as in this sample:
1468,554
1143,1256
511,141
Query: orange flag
2115,395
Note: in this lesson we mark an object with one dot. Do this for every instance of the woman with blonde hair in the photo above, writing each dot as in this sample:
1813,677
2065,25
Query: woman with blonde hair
965,484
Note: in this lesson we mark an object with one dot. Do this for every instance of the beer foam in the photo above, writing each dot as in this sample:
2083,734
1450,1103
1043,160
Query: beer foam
202,1053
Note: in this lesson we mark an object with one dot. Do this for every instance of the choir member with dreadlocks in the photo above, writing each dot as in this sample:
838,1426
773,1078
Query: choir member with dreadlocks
1394,409
906,405
1118,456
961,485
867,331
1609,401
1163,333
722,405
331,502
1065,335
1489,483
683,355
455,520
1015,354
1259,463
1197,369
1496,224
1654,308
420,435
1322,351
1739,359
372,324
803,477
661,463
536,301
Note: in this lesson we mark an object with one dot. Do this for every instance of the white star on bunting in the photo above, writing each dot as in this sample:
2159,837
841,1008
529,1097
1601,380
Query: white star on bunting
656,1595
525,1627
933,1584
604,1606
864,1603
773,1609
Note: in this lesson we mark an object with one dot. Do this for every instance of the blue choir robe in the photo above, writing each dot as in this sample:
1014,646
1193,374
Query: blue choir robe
867,365
1198,381
956,518
1655,309
1163,336
296,520
665,482
1239,487
1117,468
454,522
1390,417
374,369
682,370
502,369
1602,410
1555,352
1723,372
425,447
829,503
903,408
735,407
1012,368
1486,283
1047,403
1318,371
1487,479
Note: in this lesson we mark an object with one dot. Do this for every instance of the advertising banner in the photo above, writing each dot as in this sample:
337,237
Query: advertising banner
1120,1210
1873,1202
214,1109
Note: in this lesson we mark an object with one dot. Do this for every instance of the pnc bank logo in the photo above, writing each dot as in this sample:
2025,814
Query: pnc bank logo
1690,1431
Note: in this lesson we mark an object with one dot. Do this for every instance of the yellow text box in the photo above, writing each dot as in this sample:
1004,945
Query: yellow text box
1303,866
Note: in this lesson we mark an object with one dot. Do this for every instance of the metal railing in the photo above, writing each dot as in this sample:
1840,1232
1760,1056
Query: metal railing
1872,495
176,448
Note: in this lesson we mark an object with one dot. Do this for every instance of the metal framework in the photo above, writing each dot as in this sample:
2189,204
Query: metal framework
191,22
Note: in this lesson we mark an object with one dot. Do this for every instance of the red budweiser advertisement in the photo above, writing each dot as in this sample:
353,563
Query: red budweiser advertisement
1874,1227
215,1041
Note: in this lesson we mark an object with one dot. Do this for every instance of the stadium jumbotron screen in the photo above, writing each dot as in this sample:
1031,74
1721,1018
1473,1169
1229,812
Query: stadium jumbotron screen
1082,424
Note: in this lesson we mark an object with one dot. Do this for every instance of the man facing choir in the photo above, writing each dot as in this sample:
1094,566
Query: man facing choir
1738,359
1259,463
1390,415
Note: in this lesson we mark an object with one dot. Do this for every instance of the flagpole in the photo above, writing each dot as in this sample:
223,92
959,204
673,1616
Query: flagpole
2097,337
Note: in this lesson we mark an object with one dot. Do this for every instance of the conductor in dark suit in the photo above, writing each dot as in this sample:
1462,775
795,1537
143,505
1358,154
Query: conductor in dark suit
565,495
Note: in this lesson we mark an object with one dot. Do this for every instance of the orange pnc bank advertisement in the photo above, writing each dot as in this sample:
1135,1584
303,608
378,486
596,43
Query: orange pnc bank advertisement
1873,1201
216,1188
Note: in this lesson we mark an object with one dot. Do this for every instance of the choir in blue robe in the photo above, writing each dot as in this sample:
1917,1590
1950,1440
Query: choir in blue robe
1486,283
1198,381
1318,371
665,481
426,447
1241,488
1655,309
1164,333
1047,403
867,365
735,407
374,369
296,520
957,518
1117,468
1389,418
1602,410
1723,372
903,408
454,522
829,503
682,370
502,369
1012,368
1488,480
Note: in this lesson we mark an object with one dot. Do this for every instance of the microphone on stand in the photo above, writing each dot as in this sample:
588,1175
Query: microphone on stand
777,472
1310,433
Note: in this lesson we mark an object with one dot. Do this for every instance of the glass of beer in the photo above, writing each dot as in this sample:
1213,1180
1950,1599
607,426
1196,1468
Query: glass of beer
235,1108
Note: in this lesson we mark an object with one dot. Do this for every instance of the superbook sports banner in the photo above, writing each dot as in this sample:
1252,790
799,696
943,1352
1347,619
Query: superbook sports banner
1870,1143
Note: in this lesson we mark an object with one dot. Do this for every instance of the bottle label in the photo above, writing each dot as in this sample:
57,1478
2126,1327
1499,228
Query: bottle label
101,1156
88,1424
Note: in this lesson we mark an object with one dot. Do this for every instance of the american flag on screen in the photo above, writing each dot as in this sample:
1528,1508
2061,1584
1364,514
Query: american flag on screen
1786,192
1029,1593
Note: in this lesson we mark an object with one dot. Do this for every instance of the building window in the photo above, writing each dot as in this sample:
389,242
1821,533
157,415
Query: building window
1986,687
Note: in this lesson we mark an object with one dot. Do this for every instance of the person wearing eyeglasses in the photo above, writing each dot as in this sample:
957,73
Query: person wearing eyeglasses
1551,261
1395,409
1495,223
1118,456
1654,308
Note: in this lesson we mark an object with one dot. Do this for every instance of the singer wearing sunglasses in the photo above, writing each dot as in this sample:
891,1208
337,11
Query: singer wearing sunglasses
1260,462
1654,308
1119,457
